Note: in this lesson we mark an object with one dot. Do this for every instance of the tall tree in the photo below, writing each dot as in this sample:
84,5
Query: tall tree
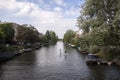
100,22
51,36
27,34
95,13
68,36
1,37
48,35
8,32
54,37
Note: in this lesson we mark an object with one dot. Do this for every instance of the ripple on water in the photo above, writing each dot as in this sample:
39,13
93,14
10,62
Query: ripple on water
47,64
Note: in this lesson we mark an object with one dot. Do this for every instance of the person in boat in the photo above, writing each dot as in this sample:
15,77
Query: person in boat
65,51
65,55
60,51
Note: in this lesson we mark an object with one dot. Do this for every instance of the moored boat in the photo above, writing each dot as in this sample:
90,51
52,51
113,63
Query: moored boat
92,58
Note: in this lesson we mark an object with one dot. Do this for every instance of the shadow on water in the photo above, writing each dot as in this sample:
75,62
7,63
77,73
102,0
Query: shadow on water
104,72
47,63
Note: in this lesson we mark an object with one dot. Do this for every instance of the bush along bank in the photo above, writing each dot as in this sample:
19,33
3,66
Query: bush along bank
101,41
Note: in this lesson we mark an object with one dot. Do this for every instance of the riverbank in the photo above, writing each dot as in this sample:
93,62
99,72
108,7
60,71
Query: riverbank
115,60
13,50
6,56
78,48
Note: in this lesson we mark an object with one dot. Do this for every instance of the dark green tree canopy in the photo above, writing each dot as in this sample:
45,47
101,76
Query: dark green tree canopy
100,22
96,13
27,34
51,36
68,36
7,32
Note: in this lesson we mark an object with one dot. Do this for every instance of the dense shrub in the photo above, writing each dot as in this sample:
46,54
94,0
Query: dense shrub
2,48
109,52
94,49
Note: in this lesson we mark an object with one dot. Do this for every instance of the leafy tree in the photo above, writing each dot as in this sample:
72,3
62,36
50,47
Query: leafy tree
100,23
48,35
68,37
1,38
27,35
51,36
97,12
54,37
44,39
8,32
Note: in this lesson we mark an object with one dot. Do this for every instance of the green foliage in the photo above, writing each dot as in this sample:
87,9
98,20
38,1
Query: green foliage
44,39
2,38
75,41
84,41
69,36
100,23
7,33
13,48
51,37
27,35
97,12
54,37
109,52
94,49
48,35
3,48
97,37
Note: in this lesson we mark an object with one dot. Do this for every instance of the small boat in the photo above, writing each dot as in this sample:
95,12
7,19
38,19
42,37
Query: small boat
73,46
27,50
103,61
92,58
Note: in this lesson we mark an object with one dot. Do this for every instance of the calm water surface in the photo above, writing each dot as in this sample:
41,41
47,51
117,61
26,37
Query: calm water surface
48,64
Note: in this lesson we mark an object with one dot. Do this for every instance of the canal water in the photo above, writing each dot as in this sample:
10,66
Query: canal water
47,63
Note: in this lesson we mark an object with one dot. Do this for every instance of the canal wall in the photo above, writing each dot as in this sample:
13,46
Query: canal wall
9,54
6,55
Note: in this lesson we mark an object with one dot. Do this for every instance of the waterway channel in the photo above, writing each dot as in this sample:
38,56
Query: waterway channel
48,63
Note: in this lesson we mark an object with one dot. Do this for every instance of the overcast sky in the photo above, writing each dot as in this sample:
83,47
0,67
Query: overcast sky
55,15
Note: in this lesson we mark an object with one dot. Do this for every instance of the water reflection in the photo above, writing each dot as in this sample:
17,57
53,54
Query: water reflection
48,63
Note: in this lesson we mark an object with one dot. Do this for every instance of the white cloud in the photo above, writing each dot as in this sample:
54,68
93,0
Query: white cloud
60,2
73,11
7,4
59,26
24,10
57,9
41,1
47,7
54,19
